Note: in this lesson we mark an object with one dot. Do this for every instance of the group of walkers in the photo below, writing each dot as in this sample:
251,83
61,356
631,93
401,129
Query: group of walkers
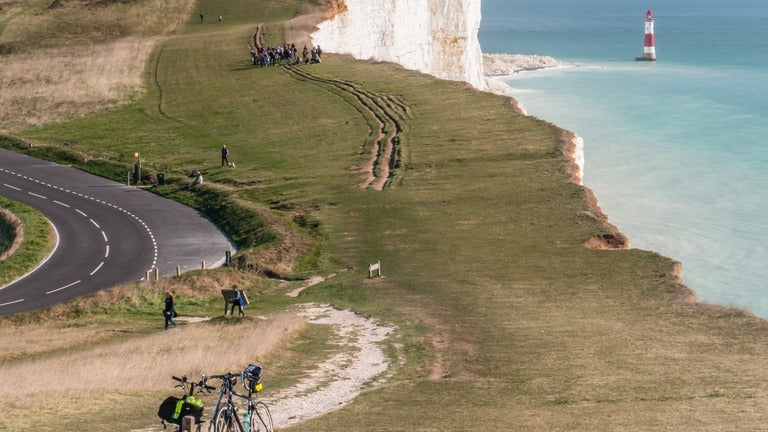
284,54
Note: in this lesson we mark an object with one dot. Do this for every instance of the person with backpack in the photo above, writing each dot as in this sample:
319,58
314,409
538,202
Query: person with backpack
170,310
238,301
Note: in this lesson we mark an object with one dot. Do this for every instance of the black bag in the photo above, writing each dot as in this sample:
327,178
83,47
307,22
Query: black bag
174,409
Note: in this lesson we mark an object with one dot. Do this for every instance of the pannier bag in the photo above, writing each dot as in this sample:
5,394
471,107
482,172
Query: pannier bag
174,409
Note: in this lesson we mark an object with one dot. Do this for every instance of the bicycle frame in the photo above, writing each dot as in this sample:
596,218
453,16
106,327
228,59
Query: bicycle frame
258,411
228,381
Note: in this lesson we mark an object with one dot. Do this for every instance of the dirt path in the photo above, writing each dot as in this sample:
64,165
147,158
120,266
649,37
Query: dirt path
341,379
360,364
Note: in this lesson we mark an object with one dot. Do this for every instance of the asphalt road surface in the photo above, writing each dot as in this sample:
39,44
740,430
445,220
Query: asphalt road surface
107,233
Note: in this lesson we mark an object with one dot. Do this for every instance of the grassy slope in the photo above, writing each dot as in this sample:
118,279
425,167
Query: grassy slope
480,239
34,248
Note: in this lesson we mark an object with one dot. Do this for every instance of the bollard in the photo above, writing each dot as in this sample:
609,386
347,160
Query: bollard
157,273
203,265
228,258
178,271
146,276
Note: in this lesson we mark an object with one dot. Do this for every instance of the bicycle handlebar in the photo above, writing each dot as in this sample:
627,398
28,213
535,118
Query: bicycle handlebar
227,376
202,384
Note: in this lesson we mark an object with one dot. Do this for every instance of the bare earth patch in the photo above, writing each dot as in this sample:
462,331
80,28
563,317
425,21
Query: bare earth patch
314,280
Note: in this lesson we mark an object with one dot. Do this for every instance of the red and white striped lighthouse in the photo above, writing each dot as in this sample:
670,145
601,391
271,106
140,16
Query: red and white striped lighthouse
649,49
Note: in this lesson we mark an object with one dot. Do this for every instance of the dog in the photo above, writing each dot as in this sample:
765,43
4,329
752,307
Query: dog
231,165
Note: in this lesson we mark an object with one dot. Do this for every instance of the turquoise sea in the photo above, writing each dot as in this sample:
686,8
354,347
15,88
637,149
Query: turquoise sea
676,150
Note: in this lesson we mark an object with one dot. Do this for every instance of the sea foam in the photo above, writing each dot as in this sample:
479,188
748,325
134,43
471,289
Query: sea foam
508,64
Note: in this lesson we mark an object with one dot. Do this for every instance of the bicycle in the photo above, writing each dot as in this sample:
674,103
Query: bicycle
174,409
225,416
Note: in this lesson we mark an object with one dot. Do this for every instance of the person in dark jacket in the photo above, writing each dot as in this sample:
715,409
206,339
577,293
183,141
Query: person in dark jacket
170,310
224,155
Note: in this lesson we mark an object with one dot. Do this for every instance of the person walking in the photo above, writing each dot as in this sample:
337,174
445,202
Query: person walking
224,155
170,310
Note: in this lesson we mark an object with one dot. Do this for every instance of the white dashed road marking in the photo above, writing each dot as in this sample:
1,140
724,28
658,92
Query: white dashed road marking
103,234
65,286
97,268
12,302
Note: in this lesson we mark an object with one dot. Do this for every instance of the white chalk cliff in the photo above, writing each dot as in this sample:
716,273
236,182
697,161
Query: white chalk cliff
437,37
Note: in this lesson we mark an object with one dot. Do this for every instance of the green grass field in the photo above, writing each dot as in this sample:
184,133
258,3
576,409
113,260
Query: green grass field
505,320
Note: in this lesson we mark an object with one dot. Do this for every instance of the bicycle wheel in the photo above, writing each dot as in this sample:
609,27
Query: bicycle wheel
261,419
224,421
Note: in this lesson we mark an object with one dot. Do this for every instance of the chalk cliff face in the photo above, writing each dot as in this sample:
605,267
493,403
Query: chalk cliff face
437,37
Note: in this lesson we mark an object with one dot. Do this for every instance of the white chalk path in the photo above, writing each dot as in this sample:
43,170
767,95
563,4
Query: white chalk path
338,381
360,364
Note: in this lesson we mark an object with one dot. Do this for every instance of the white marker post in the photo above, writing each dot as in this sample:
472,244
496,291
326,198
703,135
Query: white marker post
374,268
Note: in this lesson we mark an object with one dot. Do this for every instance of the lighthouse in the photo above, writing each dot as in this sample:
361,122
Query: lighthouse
649,49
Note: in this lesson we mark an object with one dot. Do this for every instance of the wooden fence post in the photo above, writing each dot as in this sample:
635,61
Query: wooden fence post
188,424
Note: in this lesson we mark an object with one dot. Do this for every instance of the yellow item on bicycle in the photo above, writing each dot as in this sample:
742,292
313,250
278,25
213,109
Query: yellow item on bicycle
252,378
187,406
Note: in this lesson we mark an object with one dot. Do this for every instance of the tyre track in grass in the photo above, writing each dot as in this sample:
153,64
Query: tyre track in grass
386,116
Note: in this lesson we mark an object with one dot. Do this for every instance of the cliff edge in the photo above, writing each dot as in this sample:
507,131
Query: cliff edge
436,37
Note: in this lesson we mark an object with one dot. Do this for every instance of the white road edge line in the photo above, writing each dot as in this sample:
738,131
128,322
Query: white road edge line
12,187
106,254
39,196
65,286
105,236
61,203
81,212
94,222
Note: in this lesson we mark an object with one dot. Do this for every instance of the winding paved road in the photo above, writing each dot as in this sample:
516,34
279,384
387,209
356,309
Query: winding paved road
108,233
